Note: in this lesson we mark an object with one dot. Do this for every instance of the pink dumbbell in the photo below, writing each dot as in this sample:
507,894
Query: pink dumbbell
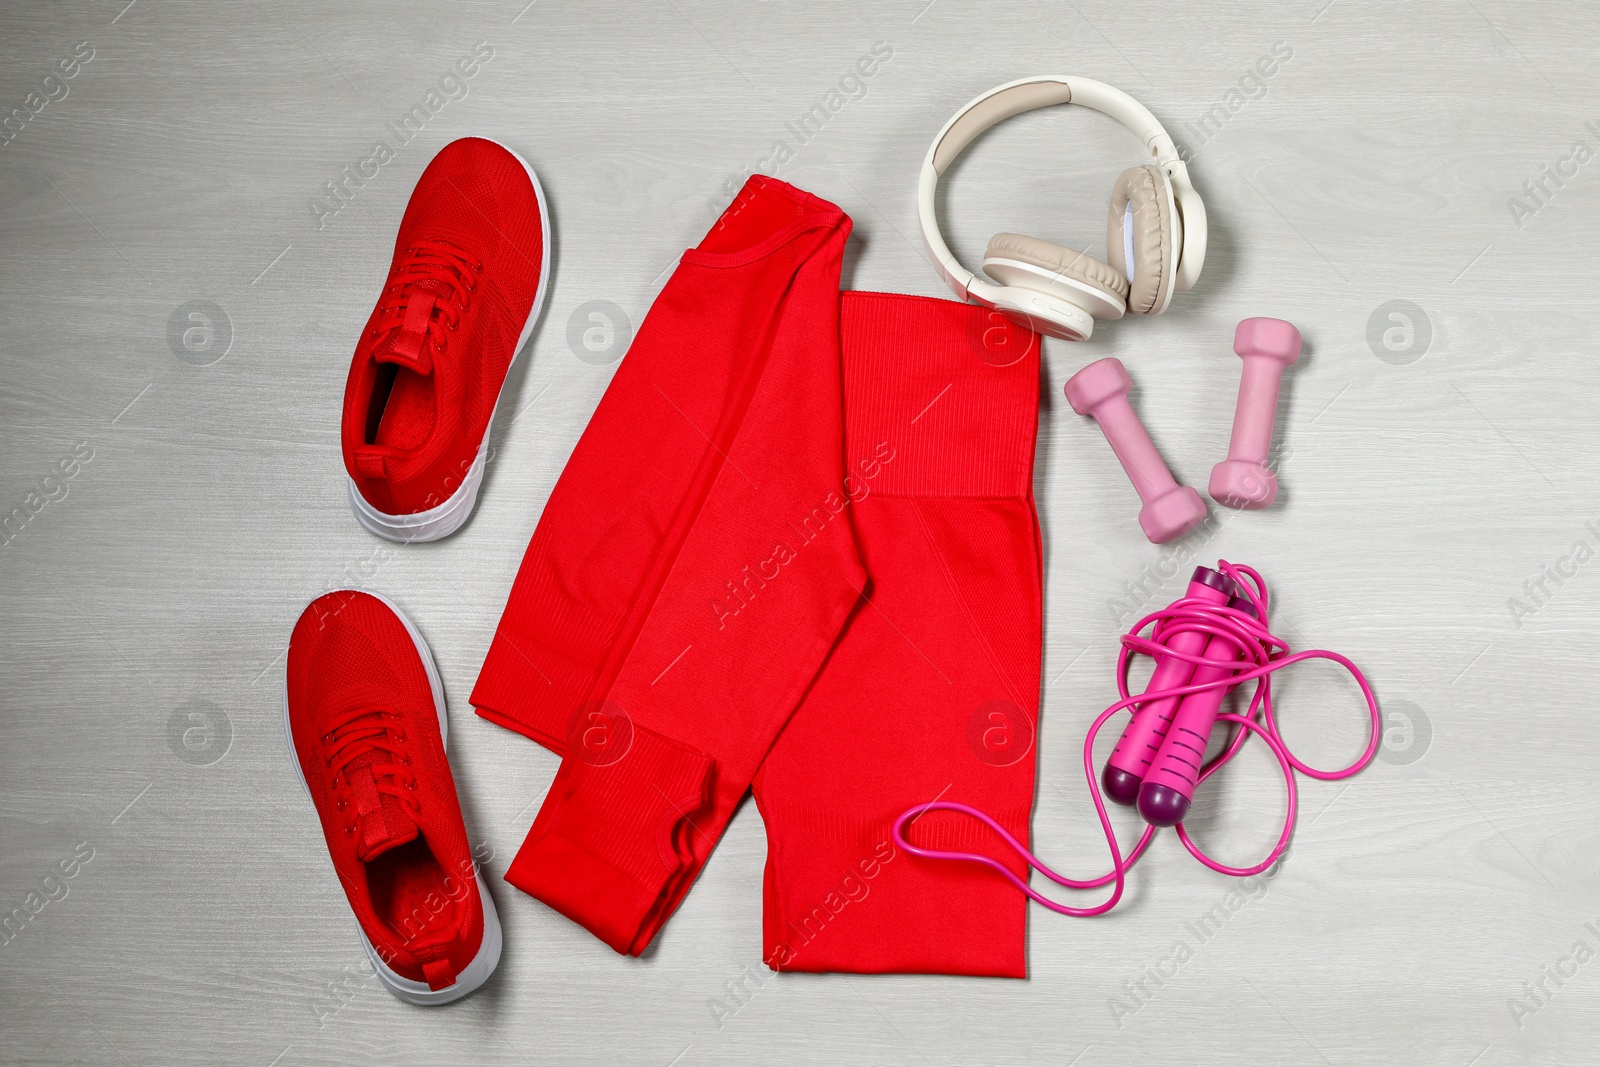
1101,390
1243,480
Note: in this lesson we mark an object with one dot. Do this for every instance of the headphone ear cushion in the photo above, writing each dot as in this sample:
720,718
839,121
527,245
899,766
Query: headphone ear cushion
1054,259
1140,237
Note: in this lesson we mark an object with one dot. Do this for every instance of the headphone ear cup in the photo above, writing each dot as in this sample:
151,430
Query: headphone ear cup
1015,259
1142,239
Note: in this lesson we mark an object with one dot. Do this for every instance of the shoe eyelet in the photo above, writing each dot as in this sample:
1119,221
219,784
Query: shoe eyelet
341,806
478,269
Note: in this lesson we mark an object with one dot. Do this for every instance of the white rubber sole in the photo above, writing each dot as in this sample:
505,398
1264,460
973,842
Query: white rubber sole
448,517
488,958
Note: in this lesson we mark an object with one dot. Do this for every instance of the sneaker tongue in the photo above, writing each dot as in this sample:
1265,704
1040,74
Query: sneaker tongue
410,345
382,822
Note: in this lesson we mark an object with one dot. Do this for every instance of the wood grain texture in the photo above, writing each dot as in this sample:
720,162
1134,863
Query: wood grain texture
1423,489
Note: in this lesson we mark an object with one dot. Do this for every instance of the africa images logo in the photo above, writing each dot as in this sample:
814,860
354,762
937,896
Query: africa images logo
851,86
52,88
452,85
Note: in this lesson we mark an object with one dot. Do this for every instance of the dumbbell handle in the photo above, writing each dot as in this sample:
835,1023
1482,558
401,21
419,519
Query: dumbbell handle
1257,408
1135,451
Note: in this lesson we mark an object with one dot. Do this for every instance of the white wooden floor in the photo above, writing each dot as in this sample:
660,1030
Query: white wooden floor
181,300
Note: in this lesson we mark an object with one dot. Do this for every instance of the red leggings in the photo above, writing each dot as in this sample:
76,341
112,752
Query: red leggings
795,549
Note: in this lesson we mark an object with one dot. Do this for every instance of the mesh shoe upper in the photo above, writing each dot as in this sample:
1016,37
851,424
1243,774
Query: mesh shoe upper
365,728
434,354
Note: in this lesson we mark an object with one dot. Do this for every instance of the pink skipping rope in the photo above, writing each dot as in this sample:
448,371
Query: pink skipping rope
1255,644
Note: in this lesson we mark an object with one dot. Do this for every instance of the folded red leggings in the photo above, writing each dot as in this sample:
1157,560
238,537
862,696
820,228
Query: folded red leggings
794,550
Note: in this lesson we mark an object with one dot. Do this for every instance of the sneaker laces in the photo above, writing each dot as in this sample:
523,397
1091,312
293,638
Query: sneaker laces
439,272
368,736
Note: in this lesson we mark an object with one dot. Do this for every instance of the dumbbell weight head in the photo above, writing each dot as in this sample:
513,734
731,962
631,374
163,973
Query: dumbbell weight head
1172,514
1170,510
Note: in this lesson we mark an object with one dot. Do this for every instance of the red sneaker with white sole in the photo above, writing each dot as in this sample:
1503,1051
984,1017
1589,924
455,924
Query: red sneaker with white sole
468,278
365,716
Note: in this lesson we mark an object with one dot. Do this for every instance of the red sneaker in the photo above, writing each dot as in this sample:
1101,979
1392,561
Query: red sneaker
365,716
465,287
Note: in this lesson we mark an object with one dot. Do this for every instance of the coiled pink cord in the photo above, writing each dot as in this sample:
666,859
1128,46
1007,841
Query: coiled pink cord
1257,645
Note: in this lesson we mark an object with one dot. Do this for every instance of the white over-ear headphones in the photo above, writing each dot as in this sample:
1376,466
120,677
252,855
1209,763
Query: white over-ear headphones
1155,232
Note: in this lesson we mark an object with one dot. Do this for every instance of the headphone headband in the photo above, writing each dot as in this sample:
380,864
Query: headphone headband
1029,94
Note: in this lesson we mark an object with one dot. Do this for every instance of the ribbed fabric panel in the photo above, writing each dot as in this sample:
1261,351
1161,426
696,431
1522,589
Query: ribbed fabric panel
600,809
967,530
941,403
936,381
936,829
543,661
